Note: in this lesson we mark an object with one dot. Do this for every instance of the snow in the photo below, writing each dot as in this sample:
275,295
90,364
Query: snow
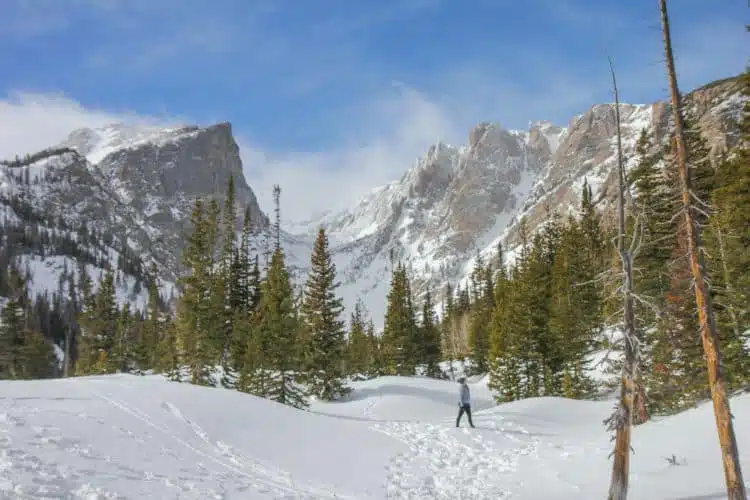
46,273
98,143
125,436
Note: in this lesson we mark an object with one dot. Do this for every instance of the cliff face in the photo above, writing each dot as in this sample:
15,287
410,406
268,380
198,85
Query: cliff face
119,197
134,186
156,174
458,202
588,150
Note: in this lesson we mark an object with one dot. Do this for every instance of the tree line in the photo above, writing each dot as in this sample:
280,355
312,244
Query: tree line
532,323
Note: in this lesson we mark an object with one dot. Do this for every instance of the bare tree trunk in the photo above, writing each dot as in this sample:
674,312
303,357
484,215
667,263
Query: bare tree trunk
622,420
709,336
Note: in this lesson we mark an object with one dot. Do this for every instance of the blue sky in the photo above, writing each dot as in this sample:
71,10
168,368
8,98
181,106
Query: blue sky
348,90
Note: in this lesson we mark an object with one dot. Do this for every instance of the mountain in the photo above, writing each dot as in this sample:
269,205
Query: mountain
458,202
120,196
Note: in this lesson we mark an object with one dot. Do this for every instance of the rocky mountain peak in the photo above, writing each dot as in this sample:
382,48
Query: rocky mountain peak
456,201
138,182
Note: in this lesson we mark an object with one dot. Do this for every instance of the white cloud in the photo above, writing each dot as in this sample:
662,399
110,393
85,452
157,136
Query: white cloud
385,139
32,121
388,134
385,134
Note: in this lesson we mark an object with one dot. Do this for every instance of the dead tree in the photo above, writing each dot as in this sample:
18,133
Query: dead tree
709,335
622,419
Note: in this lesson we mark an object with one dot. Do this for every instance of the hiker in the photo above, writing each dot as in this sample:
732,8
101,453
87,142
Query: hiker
464,402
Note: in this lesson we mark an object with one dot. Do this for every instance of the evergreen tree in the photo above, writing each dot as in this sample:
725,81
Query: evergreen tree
727,240
36,357
481,314
376,349
575,315
193,308
123,348
12,324
166,355
99,330
321,310
503,379
278,324
359,346
447,339
398,332
152,328
229,287
430,338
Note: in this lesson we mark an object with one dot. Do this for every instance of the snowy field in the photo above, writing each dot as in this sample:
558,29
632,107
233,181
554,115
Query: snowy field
130,437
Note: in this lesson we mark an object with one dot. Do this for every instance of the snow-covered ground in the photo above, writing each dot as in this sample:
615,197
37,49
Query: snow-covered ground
125,436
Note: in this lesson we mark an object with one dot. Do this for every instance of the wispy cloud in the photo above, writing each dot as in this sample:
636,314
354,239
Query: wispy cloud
30,121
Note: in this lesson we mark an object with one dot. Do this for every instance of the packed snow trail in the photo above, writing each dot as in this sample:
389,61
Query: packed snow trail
459,463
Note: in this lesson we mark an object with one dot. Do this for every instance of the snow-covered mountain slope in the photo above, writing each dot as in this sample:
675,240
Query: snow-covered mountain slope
129,437
119,197
134,186
458,202
58,218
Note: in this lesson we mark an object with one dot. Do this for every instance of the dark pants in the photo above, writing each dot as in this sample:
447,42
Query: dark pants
464,409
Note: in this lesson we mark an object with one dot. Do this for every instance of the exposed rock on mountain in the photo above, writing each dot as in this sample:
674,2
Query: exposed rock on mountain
458,202
119,191
124,193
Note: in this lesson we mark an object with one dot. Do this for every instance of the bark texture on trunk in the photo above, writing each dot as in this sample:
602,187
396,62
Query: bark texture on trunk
709,335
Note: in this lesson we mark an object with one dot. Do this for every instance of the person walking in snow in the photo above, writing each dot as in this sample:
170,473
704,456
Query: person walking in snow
464,402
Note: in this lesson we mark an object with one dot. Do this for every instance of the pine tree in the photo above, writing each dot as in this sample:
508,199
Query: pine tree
575,314
321,310
193,308
12,324
166,355
377,368
278,324
359,346
728,241
123,348
153,325
504,355
481,314
36,356
399,328
99,329
277,331
106,316
447,340
228,280
430,338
